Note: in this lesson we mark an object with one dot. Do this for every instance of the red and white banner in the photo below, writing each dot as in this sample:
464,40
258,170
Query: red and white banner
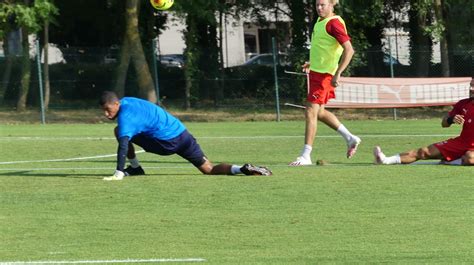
361,92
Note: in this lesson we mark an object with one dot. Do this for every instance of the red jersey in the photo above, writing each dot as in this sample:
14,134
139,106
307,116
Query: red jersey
336,29
465,107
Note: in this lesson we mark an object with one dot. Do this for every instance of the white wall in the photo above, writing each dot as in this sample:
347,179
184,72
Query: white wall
171,40
399,40
233,47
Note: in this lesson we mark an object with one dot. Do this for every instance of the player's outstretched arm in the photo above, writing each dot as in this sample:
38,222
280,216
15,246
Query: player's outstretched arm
121,159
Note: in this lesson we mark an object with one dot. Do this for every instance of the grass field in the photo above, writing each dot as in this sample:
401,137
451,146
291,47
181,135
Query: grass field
348,211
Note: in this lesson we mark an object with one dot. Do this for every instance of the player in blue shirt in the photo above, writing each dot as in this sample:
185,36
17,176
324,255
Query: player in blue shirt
149,126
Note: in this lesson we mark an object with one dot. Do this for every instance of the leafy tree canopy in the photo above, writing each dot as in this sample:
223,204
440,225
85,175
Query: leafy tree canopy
14,15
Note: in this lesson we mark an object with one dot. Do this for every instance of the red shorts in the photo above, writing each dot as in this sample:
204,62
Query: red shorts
320,89
453,148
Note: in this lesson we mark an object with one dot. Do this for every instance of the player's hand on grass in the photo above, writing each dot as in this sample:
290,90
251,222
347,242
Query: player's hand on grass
118,175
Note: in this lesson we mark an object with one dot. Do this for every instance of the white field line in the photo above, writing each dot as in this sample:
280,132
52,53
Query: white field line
104,261
61,159
223,137
190,166
52,138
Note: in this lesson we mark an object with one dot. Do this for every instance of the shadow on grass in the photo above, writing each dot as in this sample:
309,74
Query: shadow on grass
141,161
342,164
31,173
27,173
322,163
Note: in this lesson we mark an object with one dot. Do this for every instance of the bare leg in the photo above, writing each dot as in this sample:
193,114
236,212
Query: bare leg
328,118
311,115
226,169
311,127
429,152
209,169
333,122
468,158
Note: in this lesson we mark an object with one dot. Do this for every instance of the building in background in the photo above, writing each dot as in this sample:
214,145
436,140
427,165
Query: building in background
245,38
242,39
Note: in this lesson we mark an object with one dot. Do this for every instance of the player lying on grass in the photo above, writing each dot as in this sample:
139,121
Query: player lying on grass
459,150
149,126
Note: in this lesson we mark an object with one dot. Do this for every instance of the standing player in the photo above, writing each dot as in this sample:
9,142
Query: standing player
330,54
461,147
155,130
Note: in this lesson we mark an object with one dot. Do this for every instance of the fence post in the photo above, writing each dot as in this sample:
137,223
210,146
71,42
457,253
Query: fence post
390,61
275,74
40,80
155,68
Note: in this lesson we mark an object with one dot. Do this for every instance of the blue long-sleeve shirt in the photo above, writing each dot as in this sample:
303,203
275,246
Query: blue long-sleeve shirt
138,116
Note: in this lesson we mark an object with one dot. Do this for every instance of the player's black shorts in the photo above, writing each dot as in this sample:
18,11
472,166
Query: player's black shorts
183,145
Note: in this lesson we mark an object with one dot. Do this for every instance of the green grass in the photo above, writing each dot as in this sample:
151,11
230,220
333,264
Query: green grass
349,211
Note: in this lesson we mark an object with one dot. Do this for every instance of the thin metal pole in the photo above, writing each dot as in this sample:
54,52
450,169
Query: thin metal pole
155,68
390,61
275,74
40,81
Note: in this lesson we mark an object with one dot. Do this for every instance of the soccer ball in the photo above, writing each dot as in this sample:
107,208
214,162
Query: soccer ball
162,4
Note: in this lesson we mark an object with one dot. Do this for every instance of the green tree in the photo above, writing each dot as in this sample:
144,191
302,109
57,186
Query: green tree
106,24
150,24
193,55
460,36
439,33
300,29
132,51
365,25
45,12
7,25
202,50
89,23
29,18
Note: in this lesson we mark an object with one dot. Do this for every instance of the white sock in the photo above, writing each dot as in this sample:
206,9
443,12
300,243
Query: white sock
134,162
235,170
392,160
344,132
456,162
306,152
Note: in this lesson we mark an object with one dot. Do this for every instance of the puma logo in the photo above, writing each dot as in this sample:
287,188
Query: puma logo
396,92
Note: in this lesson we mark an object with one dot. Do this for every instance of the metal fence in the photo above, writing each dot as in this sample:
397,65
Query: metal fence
79,75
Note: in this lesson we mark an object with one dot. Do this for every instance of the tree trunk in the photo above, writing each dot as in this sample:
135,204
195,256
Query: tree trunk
192,54
298,30
25,71
187,92
375,63
9,59
420,44
219,94
122,68
213,62
47,89
298,53
438,7
145,81
208,64
445,69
